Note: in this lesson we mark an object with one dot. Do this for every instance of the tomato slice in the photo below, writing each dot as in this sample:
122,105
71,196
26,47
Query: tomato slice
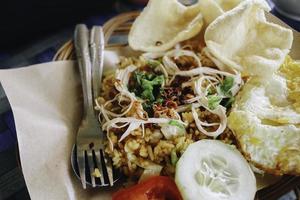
154,188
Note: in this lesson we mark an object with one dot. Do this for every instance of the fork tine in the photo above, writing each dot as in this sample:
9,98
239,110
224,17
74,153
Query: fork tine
97,56
99,165
88,47
109,170
92,166
81,166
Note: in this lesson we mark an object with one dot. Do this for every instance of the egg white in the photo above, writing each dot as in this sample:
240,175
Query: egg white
267,126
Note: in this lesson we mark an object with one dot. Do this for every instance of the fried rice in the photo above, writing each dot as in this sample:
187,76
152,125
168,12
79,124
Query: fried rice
146,146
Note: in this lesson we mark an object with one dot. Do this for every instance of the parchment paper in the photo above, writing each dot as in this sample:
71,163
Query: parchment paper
46,104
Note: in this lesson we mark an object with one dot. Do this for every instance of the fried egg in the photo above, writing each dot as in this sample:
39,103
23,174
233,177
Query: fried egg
266,120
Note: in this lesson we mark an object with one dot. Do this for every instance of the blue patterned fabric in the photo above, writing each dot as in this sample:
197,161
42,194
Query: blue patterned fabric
8,132
292,23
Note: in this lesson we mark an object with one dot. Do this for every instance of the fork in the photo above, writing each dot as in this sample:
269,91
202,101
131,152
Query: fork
89,141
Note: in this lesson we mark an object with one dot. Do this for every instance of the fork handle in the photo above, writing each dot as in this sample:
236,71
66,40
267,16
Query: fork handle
97,58
81,40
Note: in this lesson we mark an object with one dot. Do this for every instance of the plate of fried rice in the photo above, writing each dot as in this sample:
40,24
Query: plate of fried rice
210,99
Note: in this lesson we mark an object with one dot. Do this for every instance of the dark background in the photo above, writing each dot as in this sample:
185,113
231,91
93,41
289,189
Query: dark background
24,21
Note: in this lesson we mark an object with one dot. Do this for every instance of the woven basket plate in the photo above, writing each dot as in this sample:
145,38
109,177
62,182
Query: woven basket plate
116,32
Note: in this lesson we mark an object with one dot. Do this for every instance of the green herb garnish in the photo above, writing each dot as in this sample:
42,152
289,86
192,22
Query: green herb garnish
227,85
176,123
153,63
147,86
227,102
224,90
174,157
214,101
159,100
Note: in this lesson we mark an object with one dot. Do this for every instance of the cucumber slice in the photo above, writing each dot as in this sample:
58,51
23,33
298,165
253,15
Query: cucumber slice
210,169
